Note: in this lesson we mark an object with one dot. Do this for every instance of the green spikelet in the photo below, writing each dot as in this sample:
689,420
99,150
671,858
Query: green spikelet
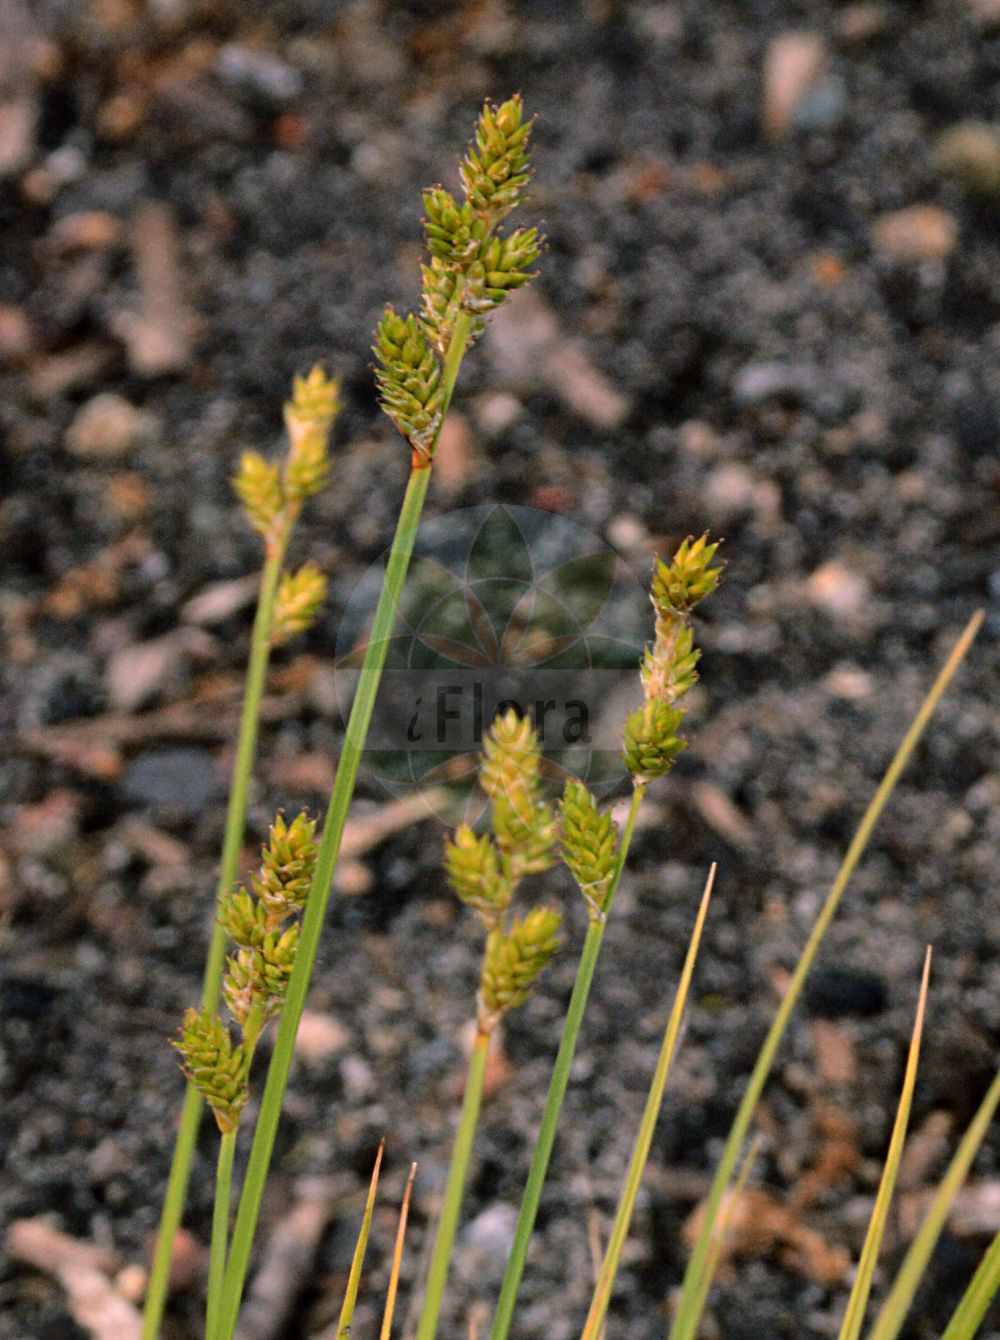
409,380
687,579
258,487
589,844
529,847
309,416
287,864
651,742
511,762
245,920
472,866
669,666
259,976
513,961
300,595
496,168
501,265
453,231
315,402
214,1066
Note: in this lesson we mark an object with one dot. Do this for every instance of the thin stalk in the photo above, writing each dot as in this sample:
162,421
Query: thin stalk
187,1134
644,1139
889,1321
977,1298
444,1239
557,1091
397,1258
220,1230
724,1222
346,1320
326,861
689,1313
857,1304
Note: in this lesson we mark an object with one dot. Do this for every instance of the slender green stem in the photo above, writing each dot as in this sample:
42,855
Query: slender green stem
557,1092
329,850
644,1140
220,1231
685,1325
444,1239
187,1134
889,1321
857,1304
977,1298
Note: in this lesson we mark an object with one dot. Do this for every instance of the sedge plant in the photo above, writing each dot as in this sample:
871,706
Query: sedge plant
272,494
266,935
473,263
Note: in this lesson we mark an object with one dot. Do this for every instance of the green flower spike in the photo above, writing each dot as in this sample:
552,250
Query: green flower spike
495,170
513,961
502,265
409,381
245,920
300,594
687,579
214,1066
651,742
259,977
511,762
472,866
589,845
309,416
258,487
523,825
287,864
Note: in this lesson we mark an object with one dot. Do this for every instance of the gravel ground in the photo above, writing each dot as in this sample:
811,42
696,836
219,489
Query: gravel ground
769,305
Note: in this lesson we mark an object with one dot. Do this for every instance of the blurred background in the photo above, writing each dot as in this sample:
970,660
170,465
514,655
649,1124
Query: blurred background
769,305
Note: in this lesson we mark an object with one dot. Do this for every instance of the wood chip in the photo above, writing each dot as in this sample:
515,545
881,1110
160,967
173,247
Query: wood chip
159,335
834,1049
83,1271
722,815
793,63
759,1225
530,347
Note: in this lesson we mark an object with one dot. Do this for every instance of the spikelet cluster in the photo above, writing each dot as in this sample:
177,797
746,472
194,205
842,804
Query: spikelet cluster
669,666
264,928
589,846
300,595
485,869
272,493
214,1066
262,923
471,268
514,960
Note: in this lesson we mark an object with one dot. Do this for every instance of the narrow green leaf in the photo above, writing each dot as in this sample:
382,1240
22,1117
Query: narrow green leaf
977,1297
640,1150
354,1278
397,1258
685,1325
857,1303
890,1319
721,1229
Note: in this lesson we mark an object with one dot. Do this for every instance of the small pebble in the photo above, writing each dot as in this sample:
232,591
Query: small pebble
107,426
320,1036
176,781
918,233
838,590
793,65
969,154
